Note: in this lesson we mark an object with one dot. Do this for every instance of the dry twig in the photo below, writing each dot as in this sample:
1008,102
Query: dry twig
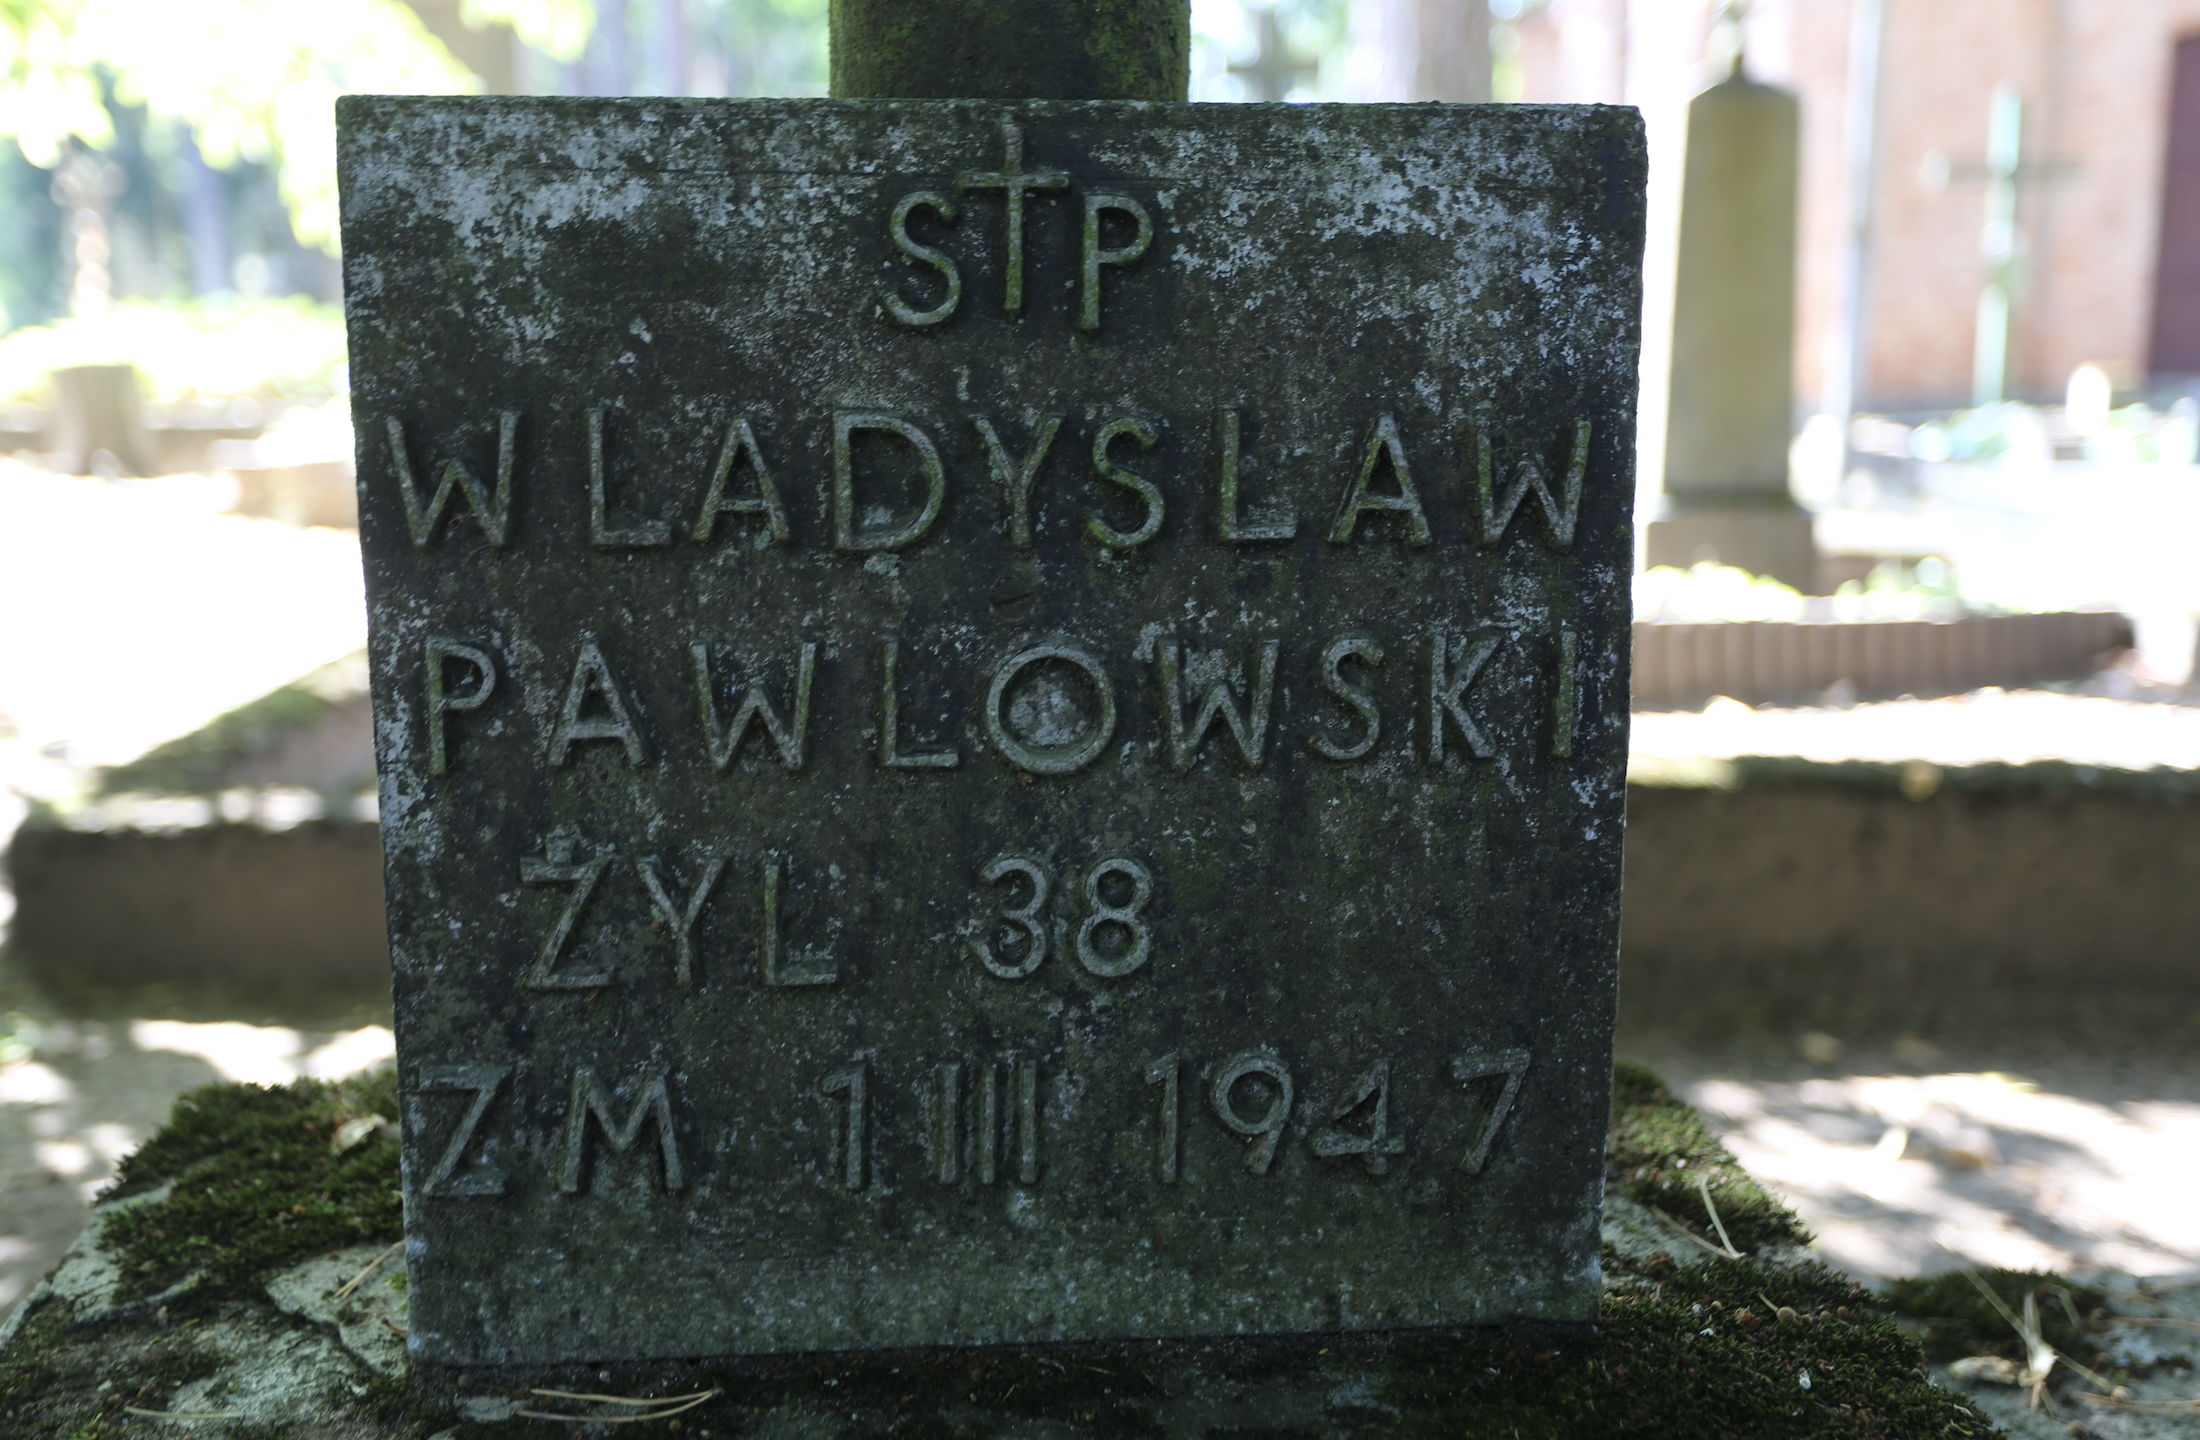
686,1403
1704,1187
1688,1234
624,1400
373,1265
2119,1399
184,1414
2040,1357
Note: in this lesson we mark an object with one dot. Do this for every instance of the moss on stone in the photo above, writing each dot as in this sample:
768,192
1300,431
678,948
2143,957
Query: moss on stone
51,1379
1682,1352
1658,1151
256,1185
1011,49
1953,1320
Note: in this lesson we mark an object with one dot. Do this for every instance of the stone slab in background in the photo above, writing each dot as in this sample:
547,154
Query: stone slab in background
1806,883
1073,952
1680,664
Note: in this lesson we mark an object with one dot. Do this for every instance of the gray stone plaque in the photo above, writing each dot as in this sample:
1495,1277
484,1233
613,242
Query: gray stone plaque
997,722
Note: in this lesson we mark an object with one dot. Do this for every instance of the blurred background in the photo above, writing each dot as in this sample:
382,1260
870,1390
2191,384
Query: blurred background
1912,907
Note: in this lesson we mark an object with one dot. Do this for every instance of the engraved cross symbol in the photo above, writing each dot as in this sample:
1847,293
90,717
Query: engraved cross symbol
1014,182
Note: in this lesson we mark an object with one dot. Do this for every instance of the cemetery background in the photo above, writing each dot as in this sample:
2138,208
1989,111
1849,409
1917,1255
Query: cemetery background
2078,1157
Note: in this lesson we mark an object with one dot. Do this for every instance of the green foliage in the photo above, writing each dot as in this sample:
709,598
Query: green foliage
255,79
256,1185
775,47
1660,1148
288,347
1955,1320
558,28
31,285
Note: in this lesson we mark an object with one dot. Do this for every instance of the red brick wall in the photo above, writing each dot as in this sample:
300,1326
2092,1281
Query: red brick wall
2094,75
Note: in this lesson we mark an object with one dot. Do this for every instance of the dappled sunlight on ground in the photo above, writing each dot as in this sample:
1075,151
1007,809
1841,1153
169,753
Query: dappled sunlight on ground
1985,727
137,612
1915,1174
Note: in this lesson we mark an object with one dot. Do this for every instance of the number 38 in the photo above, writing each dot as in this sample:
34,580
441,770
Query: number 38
1131,883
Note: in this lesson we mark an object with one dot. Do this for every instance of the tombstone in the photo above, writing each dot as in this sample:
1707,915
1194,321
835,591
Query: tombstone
99,412
1732,409
1000,720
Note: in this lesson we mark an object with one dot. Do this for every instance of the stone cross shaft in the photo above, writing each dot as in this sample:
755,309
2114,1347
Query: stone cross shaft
1014,182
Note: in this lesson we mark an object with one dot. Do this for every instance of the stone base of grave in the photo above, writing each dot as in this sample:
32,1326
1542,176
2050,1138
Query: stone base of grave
1775,662
1772,541
299,908
1794,883
140,1323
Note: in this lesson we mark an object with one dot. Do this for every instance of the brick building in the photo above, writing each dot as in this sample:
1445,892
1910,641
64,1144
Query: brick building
1898,119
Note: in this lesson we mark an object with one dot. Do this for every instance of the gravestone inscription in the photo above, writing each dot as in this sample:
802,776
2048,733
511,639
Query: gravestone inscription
997,721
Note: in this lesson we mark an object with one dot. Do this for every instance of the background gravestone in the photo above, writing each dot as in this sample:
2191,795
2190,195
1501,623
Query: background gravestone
998,721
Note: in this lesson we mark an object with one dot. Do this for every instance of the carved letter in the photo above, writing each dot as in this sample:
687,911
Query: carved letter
1088,316
492,509
589,1100
1013,181
679,917
1334,1142
1045,753
591,676
776,973
1566,704
845,535
850,1081
1249,727
1016,480
645,536
897,228
1513,1065
483,1080
1406,502
1027,1121
1367,652
740,442
989,1124
1558,516
1447,689
756,712
1266,1132
1164,1073
1098,529
1227,528
947,1136
442,702
1137,933
1030,915
889,723
560,869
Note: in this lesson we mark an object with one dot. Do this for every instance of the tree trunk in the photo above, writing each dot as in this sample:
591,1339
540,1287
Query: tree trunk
1011,49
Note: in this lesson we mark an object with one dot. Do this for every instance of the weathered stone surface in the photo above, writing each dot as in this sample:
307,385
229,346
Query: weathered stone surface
728,1033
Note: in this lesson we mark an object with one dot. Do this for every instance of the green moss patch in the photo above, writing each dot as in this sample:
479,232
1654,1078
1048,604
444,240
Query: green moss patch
1952,1319
257,1185
1658,1150
52,1383
1693,1355
1694,1352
